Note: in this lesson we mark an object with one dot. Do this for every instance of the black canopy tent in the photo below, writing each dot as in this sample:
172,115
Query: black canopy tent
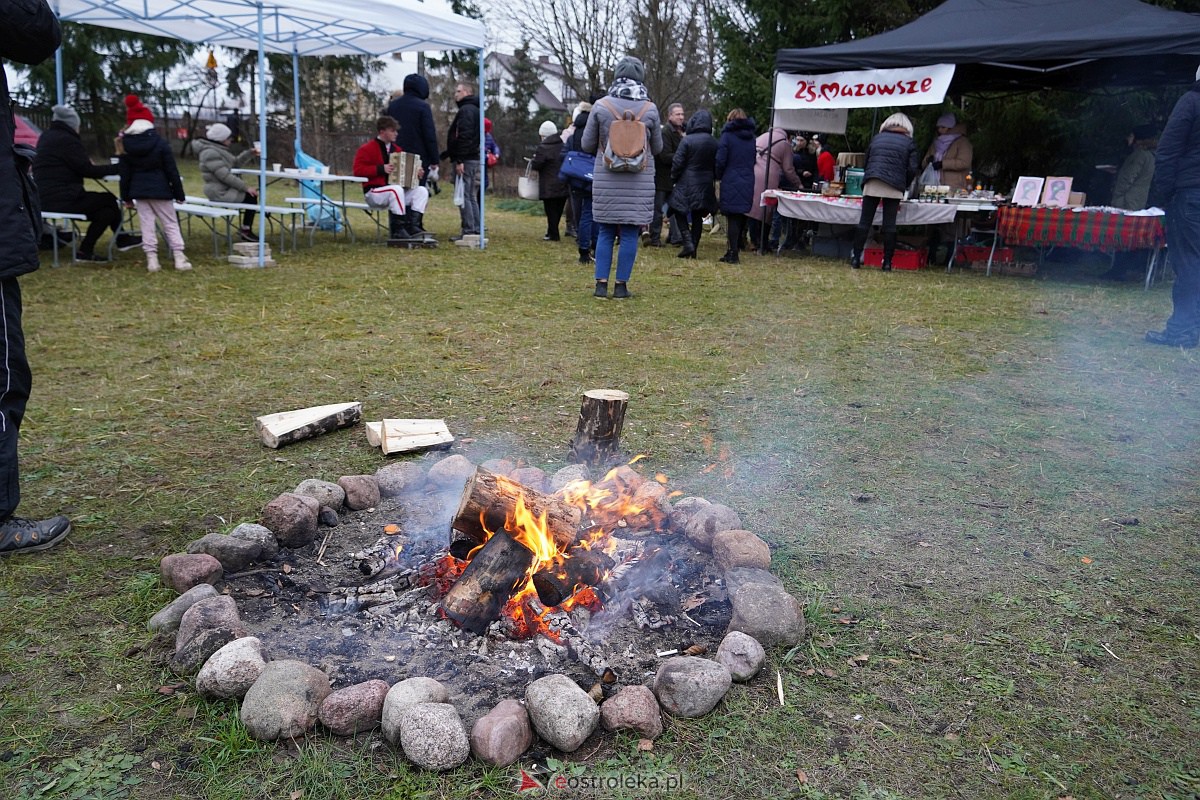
1025,45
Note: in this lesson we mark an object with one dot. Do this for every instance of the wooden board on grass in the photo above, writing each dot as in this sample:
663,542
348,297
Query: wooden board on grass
286,427
407,435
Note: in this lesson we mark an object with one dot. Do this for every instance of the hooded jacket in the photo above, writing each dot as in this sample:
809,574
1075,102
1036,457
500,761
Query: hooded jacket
693,170
216,165
462,141
61,165
773,151
33,36
417,132
1177,159
546,162
148,170
735,165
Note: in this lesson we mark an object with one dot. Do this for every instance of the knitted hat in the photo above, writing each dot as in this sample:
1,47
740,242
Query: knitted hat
217,132
67,115
140,126
135,109
632,68
947,121
487,125
547,128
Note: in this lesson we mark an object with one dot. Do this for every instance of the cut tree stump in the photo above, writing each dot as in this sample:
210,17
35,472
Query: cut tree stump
408,435
491,499
494,575
286,427
598,435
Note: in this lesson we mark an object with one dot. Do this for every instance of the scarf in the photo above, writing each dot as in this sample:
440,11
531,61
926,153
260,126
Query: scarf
628,89
942,143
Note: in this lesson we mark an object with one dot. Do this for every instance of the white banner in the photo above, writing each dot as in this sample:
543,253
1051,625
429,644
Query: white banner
869,88
816,120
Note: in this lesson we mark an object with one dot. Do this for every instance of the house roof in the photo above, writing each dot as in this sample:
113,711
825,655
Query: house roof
1027,44
543,96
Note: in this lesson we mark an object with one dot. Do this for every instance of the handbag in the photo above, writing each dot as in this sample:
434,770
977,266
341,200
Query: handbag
578,166
492,159
527,184
460,191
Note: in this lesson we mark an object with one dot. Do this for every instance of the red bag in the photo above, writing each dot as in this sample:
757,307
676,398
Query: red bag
492,159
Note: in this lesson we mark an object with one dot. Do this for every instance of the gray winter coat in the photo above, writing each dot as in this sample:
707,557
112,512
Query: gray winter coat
622,198
216,163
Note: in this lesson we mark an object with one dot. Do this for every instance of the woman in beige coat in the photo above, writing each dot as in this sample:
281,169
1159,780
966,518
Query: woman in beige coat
950,153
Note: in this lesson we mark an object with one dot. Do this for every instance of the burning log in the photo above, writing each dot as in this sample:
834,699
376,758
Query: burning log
492,499
351,599
382,556
586,567
598,434
496,572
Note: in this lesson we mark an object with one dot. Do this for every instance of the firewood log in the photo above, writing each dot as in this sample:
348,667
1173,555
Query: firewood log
490,499
597,437
494,575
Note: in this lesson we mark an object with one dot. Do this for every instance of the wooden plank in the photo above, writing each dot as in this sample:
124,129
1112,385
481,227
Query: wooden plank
407,435
286,427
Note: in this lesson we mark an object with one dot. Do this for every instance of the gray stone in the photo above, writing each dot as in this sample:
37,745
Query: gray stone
324,492
451,472
234,554
562,713
167,620
400,477
742,655
433,736
762,608
327,517
569,474
253,532
503,734
632,708
283,702
707,522
292,518
738,548
532,477
684,510
687,686
220,611
354,709
404,694
232,670
198,649
362,491
182,571
499,466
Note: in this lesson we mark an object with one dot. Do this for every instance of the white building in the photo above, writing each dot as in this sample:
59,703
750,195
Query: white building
554,94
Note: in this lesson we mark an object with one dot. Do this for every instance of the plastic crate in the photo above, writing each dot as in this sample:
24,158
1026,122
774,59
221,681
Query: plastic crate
901,259
975,253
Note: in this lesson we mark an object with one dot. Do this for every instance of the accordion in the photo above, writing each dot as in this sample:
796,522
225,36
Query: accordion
407,166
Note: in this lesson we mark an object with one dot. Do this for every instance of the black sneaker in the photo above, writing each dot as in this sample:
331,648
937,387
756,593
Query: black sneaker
20,535
91,257
601,289
128,241
1186,340
620,291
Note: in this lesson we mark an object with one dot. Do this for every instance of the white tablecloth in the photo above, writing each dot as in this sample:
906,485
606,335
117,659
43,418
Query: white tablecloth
846,211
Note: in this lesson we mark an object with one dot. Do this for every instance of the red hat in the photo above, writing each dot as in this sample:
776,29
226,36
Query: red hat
134,109
487,125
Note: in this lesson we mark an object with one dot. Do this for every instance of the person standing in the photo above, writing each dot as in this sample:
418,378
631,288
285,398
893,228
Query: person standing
1176,188
622,202
773,152
546,161
1131,190
150,181
735,171
581,189
60,166
892,164
29,34
405,207
417,133
693,173
462,149
950,153
672,136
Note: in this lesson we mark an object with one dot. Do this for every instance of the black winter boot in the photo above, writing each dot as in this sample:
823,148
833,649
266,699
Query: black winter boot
889,249
397,227
585,256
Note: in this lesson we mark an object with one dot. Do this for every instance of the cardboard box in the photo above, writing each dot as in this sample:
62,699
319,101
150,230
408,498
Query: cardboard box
901,259
1077,199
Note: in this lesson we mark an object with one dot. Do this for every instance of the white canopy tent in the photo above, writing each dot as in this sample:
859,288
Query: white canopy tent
296,27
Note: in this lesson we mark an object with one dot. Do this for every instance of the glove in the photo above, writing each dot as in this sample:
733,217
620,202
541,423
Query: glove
937,165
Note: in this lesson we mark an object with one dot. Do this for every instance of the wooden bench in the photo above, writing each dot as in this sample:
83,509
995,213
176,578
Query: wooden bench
377,215
287,216
211,217
62,221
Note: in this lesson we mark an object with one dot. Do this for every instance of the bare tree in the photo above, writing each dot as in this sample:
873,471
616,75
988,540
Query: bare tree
585,38
672,37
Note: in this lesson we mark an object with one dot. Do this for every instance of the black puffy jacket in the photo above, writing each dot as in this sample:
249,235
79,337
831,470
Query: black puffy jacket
892,157
148,170
60,167
417,131
1177,159
462,141
735,166
694,168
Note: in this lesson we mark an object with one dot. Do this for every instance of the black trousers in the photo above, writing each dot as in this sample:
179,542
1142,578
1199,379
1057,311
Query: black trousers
891,208
554,210
735,227
103,213
696,225
15,383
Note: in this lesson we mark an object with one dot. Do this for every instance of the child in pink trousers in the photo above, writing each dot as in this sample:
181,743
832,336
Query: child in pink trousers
150,181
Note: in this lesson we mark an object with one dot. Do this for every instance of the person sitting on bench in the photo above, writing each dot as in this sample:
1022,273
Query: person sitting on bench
405,207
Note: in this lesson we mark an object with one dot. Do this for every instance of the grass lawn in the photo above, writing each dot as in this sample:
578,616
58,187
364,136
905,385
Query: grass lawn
984,490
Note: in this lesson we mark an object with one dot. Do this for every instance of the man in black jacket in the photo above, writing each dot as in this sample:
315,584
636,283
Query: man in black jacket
1176,188
462,148
417,132
29,33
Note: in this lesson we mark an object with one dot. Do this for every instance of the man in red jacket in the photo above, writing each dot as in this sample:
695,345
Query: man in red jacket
405,207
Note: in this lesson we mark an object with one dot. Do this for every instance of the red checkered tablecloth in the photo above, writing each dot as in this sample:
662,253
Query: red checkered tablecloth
1086,230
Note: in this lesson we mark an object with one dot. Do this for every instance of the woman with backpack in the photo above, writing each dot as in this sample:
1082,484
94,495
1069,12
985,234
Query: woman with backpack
624,131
